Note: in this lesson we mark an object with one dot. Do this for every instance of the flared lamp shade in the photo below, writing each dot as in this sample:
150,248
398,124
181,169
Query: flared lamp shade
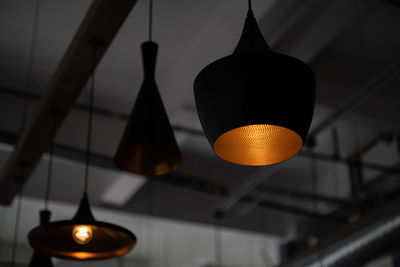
82,238
37,259
148,145
255,106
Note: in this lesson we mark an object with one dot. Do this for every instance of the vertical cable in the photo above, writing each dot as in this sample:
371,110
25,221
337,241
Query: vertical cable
32,50
17,221
150,20
121,262
250,6
361,39
49,174
19,181
314,186
218,243
90,115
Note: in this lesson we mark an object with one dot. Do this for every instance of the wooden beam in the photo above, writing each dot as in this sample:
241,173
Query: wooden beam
103,20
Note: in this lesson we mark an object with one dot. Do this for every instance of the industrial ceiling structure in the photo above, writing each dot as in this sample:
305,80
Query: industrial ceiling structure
334,204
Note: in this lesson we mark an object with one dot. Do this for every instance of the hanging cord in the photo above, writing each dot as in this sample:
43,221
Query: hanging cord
17,221
149,225
49,174
361,39
314,186
19,181
32,50
218,243
90,115
250,6
121,262
150,20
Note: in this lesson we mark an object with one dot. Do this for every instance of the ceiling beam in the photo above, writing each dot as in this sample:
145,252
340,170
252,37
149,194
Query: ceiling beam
103,20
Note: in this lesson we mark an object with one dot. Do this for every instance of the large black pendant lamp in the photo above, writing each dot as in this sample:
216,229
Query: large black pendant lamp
148,145
83,237
256,105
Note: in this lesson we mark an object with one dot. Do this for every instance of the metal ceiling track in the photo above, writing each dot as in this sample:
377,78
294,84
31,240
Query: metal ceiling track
103,20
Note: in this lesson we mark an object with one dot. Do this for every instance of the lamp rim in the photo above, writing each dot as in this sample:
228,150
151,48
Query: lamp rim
296,134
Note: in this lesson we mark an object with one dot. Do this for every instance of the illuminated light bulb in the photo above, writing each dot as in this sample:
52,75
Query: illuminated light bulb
82,234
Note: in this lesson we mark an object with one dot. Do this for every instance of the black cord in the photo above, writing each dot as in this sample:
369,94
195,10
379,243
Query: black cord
121,262
150,20
361,39
218,243
250,6
314,185
17,221
32,50
49,174
90,115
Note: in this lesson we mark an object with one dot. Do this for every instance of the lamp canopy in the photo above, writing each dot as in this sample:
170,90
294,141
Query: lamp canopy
148,145
82,238
255,106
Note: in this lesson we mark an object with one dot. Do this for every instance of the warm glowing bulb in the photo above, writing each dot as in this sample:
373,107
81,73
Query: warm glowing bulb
82,234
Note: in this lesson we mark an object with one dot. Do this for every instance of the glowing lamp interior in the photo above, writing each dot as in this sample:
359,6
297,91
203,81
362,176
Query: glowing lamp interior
258,144
82,234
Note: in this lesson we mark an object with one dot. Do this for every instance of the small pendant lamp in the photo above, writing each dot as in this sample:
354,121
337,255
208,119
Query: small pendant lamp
255,106
40,260
148,145
83,237
37,259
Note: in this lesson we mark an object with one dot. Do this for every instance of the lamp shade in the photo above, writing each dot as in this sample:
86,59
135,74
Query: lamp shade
39,260
255,106
82,238
148,145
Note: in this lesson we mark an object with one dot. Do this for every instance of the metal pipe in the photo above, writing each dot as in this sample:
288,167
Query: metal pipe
124,117
355,244
303,195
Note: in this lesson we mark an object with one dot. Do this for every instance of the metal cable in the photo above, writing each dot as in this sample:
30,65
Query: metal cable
17,222
218,244
90,120
150,20
49,174
314,185
30,64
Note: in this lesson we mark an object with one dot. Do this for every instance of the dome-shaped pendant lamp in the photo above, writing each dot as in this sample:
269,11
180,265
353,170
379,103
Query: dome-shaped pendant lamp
83,237
255,106
148,145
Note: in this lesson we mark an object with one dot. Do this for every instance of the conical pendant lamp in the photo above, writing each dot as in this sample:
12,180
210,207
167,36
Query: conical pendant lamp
83,237
255,106
148,145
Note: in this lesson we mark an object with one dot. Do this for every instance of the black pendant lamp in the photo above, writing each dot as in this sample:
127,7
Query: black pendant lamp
37,259
83,237
256,105
40,260
148,145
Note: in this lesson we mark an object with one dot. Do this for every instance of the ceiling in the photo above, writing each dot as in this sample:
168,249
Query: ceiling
347,43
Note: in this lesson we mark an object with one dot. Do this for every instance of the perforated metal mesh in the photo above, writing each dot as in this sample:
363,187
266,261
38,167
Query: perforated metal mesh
259,144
